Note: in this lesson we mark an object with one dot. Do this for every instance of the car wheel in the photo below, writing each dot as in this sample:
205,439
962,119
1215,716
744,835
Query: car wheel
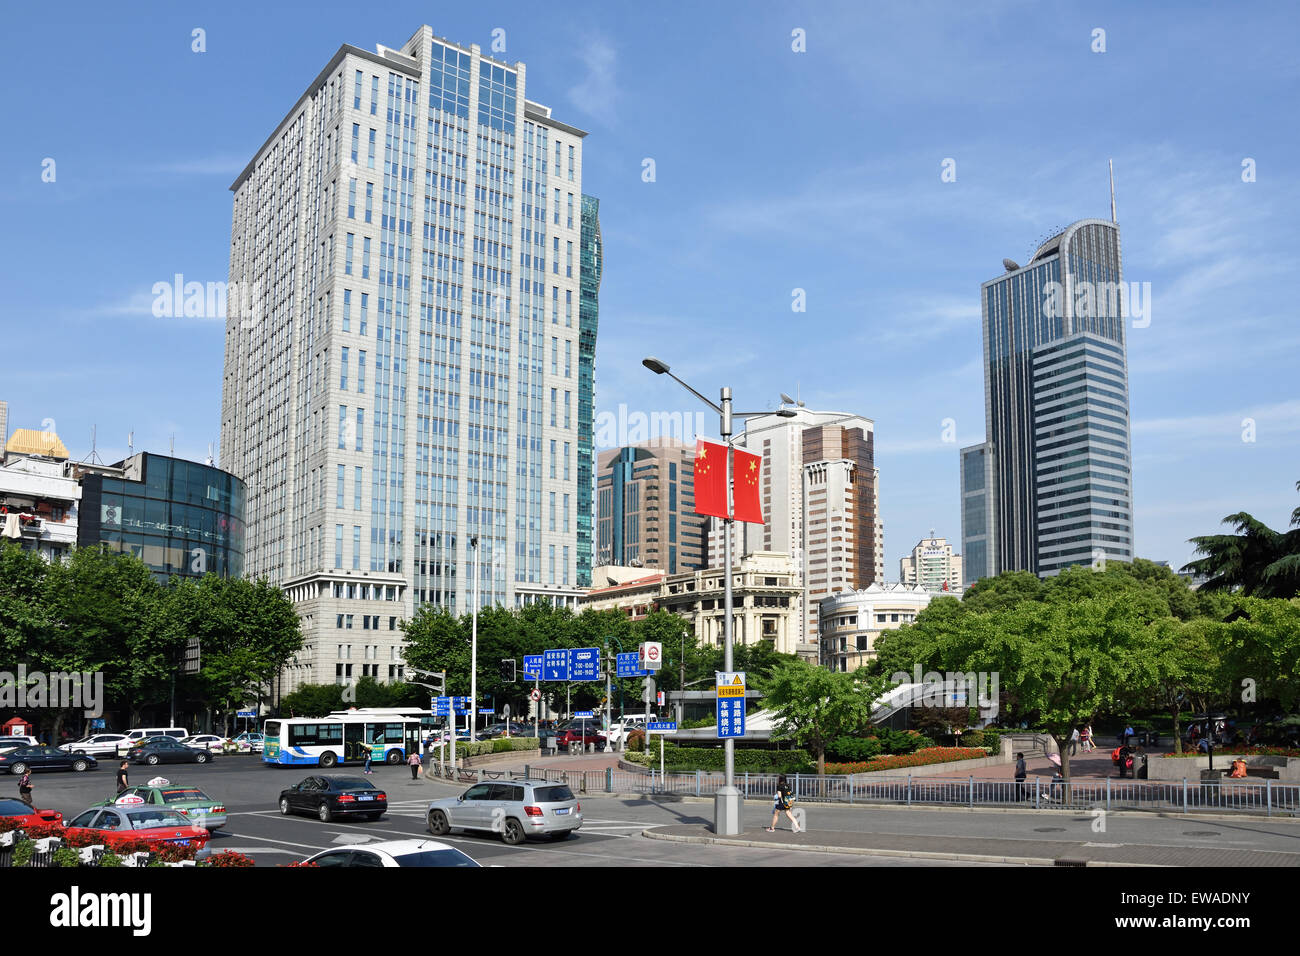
557,837
80,765
19,769
284,806
327,759
324,812
201,757
394,756
513,832
438,824
152,760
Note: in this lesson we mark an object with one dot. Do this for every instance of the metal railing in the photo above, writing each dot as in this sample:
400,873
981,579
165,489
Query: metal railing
1266,797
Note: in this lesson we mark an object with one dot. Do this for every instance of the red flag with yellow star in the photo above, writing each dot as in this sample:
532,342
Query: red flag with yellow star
746,497
710,479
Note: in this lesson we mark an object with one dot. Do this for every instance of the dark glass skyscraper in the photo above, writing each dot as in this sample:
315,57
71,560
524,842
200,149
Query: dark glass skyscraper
1051,485
592,261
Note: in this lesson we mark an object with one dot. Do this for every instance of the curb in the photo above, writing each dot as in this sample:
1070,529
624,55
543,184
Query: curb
873,851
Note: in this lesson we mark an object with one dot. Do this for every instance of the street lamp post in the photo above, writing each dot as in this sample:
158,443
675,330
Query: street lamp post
473,649
727,815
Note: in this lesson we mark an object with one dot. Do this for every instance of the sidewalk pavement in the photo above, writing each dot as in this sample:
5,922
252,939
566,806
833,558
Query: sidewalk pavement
978,849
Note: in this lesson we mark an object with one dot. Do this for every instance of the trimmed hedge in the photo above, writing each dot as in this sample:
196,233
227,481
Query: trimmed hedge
923,757
500,745
689,759
1224,749
851,749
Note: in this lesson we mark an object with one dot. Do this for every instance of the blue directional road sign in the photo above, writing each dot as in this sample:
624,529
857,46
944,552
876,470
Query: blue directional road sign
584,663
731,703
662,726
533,666
584,715
442,706
486,710
629,665
555,665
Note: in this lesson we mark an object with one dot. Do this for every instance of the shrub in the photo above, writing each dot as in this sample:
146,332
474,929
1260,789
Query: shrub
921,758
689,759
66,856
110,859
501,746
973,738
635,740
23,851
901,741
854,748
230,858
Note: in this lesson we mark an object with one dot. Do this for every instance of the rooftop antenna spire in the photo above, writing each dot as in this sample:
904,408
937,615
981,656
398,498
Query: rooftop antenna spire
94,454
1111,163
130,443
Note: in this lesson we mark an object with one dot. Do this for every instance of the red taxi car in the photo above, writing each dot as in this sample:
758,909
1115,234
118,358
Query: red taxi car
130,819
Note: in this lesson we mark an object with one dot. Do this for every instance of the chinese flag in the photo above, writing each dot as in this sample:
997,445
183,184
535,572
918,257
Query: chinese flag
710,479
747,503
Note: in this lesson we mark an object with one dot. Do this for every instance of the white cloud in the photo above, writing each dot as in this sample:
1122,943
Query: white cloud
598,93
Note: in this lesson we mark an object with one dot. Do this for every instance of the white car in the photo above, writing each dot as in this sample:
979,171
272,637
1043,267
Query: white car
393,853
96,745
249,741
209,742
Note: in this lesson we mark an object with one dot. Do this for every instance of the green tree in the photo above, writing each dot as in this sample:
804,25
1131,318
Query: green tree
1257,560
1261,642
813,706
1184,668
312,700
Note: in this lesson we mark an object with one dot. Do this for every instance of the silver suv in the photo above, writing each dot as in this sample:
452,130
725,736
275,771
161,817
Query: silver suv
516,810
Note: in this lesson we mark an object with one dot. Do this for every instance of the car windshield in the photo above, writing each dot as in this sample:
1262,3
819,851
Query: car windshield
183,794
448,857
148,819
552,794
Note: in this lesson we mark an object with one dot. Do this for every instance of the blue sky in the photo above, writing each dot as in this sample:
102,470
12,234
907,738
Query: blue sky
775,171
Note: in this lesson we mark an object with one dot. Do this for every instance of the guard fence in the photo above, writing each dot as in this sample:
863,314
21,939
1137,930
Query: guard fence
1266,797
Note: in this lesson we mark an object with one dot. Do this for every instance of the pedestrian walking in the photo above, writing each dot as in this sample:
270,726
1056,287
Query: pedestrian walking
367,767
783,802
414,762
121,775
1089,745
1074,741
1021,772
25,789
1128,736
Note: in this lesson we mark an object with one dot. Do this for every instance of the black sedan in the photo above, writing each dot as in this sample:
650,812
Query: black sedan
330,797
158,750
44,758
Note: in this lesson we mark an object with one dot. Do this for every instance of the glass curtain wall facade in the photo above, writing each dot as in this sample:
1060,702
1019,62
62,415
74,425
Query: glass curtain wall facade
1056,401
593,261
181,518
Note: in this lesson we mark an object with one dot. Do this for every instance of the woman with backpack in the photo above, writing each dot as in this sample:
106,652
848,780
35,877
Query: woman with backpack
782,803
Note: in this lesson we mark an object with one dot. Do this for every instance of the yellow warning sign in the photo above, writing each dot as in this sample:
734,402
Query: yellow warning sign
731,683
731,690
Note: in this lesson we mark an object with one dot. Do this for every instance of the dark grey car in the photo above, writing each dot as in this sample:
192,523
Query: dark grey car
516,810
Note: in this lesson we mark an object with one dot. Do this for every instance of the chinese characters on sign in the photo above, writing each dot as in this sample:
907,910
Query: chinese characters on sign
731,703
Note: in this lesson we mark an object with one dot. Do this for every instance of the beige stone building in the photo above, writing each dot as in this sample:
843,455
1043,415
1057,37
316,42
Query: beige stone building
765,600
852,621
932,565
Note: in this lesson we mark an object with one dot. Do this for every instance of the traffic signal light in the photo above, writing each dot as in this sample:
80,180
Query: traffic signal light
508,670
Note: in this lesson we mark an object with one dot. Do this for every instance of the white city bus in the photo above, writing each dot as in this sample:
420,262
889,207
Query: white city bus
340,738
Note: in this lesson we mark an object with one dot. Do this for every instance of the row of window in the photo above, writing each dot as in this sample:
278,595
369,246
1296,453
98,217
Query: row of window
369,651
369,622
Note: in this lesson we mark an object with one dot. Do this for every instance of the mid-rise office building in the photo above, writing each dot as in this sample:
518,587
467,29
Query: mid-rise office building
852,621
646,507
405,387
40,497
932,565
1051,485
821,504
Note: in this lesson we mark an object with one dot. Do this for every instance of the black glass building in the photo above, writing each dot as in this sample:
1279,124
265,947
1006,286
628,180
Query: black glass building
180,517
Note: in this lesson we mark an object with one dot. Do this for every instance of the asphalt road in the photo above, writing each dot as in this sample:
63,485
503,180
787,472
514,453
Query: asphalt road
612,826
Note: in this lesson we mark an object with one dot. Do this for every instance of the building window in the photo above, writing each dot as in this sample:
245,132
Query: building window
352,198
356,488
370,200
338,547
568,260
347,310
361,428
365,309
356,140
343,426
566,461
356,98
356,548
361,371
552,514
553,457
370,159
568,359
365,257
568,307
555,305
343,370
571,179
339,501
555,256
347,254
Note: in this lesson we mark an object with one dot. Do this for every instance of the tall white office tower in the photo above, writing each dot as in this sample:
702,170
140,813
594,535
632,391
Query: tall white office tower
402,386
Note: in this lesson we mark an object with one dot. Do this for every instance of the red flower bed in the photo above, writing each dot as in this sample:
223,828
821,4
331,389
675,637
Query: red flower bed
1244,751
297,863
924,757
231,858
